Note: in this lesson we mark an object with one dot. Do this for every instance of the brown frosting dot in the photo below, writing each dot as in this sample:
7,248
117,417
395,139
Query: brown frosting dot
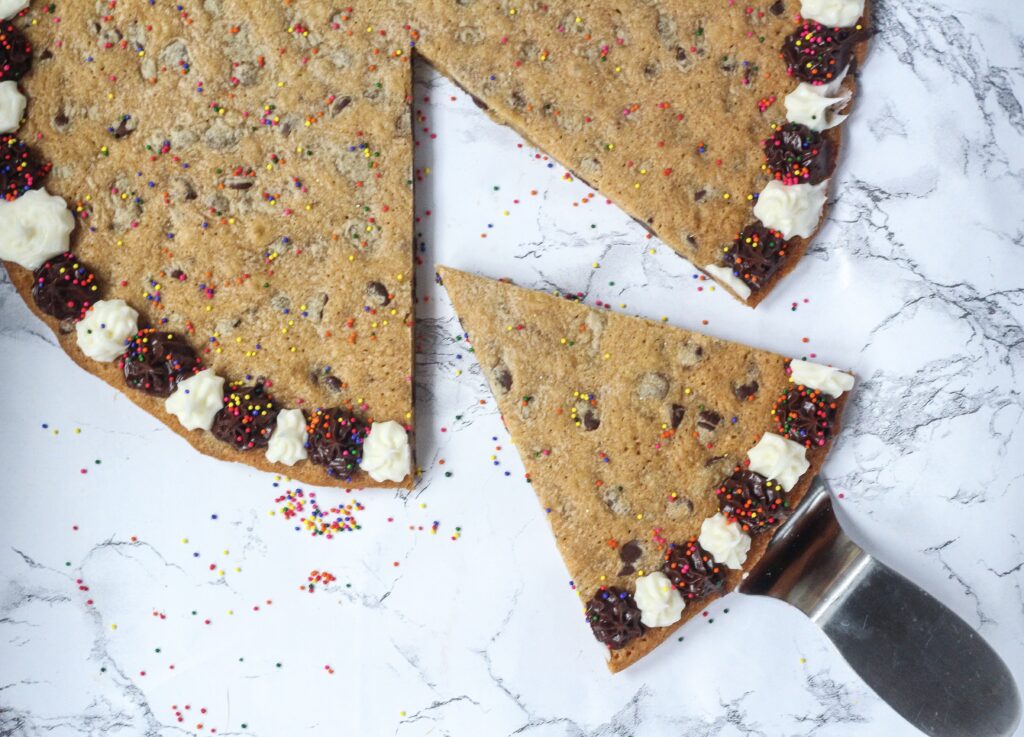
20,168
805,416
818,54
335,441
15,52
794,154
693,570
155,361
751,499
755,255
614,617
64,287
248,417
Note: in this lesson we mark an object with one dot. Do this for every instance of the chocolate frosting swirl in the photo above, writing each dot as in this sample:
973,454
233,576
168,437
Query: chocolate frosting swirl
64,287
15,53
248,417
20,168
805,416
751,499
755,255
335,441
817,54
794,154
156,361
614,617
693,570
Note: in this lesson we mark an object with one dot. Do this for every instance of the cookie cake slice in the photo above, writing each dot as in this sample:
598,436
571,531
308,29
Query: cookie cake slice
663,458
714,124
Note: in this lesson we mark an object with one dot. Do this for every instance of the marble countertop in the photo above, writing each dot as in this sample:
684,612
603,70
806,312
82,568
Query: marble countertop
147,590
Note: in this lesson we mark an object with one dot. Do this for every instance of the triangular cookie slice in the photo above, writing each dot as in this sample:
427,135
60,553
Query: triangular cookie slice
715,125
663,458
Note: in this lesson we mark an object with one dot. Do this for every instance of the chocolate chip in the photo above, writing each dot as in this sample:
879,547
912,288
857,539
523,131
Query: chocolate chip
378,294
46,55
502,375
629,554
692,240
61,119
680,54
591,421
708,419
699,195
125,128
177,274
676,414
239,183
651,386
333,383
744,391
712,461
339,104
778,7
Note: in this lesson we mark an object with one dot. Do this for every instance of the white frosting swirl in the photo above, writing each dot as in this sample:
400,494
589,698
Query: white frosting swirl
727,543
386,452
791,209
34,227
833,13
12,106
105,329
724,274
10,8
779,458
288,443
197,400
823,378
816,106
660,602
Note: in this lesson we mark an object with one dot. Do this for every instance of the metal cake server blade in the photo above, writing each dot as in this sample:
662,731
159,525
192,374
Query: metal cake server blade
915,653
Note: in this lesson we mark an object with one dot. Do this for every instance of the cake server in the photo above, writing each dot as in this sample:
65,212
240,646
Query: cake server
914,652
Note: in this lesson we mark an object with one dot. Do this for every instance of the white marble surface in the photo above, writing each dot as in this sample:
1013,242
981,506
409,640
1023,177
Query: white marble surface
916,284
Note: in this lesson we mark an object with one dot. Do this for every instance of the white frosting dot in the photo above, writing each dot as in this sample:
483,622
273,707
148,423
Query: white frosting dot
724,274
196,400
791,209
823,378
815,105
106,327
288,443
10,8
659,601
725,540
779,458
386,452
12,106
36,226
833,13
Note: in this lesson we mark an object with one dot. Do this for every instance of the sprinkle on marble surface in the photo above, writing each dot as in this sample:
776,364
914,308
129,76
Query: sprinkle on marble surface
317,577
309,516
